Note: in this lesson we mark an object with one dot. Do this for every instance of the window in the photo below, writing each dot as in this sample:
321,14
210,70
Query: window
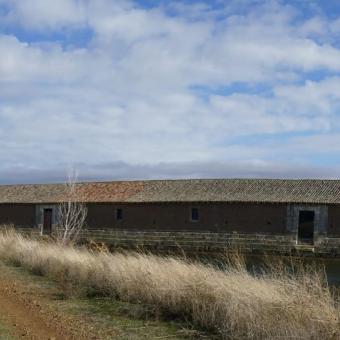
119,214
194,214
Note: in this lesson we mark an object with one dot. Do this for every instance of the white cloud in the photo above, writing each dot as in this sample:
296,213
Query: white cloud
129,96
24,62
42,14
321,97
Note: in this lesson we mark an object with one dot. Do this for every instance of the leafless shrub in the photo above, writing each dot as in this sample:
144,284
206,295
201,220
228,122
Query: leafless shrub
72,213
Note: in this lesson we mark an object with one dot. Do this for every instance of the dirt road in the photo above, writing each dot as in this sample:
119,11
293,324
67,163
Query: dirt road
23,318
26,314
35,307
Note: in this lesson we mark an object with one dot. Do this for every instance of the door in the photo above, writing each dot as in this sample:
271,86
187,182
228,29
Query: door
306,226
47,226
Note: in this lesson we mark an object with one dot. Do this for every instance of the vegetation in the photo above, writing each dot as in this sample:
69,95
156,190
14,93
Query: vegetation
4,333
229,302
99,317
72,213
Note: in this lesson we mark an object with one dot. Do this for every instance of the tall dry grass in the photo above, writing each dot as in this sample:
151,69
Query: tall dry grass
230,302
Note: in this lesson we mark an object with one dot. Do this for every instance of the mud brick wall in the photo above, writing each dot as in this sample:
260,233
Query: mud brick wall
213,217
20,215
334,221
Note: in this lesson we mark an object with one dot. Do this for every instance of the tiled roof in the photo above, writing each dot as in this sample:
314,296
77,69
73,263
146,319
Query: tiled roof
200,190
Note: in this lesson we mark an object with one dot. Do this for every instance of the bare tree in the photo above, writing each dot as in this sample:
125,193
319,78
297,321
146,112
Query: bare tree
72,212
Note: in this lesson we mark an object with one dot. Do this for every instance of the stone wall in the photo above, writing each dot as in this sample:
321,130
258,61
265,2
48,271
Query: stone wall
320,220
39,215
191,242
212,242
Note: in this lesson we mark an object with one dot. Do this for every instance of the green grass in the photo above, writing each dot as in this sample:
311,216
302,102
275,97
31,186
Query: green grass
132,321
4,332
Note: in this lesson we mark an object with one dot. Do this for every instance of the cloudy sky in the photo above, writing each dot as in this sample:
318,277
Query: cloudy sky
169,89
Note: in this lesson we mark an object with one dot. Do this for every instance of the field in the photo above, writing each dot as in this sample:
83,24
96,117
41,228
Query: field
228,303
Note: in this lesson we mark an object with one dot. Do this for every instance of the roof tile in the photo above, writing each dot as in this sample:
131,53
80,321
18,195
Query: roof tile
194,190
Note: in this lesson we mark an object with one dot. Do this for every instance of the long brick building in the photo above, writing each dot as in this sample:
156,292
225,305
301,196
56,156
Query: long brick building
305,210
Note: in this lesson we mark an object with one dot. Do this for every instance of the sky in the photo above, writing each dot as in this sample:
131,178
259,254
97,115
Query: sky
120,89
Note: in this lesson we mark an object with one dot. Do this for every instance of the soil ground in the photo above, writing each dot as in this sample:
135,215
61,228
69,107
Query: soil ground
34,307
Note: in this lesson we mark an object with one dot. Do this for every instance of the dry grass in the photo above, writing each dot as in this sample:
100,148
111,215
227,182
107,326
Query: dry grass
230,302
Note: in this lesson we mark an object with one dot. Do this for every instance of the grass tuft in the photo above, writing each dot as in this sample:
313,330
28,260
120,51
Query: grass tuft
231,302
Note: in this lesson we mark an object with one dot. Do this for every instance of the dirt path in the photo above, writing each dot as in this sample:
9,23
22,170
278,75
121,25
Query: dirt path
35,307
22,318
27,315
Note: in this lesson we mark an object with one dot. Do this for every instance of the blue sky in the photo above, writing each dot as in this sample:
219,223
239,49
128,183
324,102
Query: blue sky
159,89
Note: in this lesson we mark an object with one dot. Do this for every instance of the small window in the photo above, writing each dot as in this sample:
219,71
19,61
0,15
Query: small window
194,214
119,214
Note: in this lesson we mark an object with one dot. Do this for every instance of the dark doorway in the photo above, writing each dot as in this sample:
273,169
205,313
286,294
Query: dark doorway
306,226
47,226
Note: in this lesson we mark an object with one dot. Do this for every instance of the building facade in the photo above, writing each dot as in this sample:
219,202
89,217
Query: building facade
305,210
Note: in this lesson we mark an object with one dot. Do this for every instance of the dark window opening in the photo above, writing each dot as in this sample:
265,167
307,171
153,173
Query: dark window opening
194,214
119,214
306,226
